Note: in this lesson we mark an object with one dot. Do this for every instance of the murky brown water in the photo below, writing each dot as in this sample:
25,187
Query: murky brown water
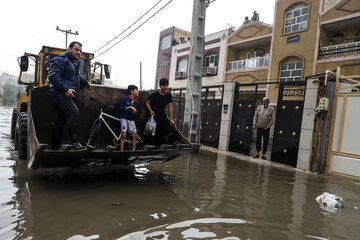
199,196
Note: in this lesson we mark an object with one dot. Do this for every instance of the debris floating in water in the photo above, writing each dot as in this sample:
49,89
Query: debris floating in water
330,202
116,203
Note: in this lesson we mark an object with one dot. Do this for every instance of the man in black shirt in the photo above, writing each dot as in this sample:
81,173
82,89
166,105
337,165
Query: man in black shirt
156,104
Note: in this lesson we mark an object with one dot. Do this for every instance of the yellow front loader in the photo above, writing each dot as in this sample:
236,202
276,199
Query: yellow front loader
34,70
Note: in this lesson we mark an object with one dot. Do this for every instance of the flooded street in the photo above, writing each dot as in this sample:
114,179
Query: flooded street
200,196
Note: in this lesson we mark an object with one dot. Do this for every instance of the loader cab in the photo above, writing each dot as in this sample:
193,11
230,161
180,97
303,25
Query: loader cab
28,68
100,72
34,69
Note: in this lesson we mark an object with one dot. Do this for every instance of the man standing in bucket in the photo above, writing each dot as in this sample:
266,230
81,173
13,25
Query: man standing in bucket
263,120
65,82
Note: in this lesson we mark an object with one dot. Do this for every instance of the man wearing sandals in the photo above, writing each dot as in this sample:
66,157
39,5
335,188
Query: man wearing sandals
263,120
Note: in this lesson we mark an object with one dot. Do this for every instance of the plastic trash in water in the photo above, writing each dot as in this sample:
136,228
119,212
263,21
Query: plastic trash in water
330,202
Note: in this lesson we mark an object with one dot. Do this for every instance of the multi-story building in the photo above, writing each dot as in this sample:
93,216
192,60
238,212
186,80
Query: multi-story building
173,57
307,38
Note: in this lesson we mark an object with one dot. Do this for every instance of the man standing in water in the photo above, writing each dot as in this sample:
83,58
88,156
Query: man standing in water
263,120
65,81
156,104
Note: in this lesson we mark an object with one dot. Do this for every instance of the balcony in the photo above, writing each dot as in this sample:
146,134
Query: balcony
340,50
180,74
249,63
209,71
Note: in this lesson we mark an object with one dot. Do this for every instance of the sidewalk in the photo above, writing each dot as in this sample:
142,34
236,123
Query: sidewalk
244,157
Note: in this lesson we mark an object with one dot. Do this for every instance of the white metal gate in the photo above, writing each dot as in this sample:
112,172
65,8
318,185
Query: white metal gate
344,150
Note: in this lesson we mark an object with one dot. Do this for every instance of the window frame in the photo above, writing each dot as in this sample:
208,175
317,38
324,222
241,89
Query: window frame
185,58
299,6
216,58
162,41
291,60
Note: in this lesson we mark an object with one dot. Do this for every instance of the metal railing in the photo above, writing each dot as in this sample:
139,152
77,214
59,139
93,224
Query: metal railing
249,63
340,50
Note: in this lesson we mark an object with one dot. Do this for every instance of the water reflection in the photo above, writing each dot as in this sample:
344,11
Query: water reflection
198,196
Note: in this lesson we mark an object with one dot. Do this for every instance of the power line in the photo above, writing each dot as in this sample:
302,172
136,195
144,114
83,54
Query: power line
135,29
128,27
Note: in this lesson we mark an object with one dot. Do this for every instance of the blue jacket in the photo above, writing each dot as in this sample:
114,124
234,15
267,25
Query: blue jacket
126,102
64,74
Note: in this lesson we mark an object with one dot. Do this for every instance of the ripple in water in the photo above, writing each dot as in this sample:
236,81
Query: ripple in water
186,230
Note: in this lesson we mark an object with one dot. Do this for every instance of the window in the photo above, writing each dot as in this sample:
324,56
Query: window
296,18
210,64
181,68
291,69
28,76
211,59
165,42
182,65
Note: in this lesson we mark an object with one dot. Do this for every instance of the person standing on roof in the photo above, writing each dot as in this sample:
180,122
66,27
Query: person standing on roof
255,17
246,21
263,120
65,82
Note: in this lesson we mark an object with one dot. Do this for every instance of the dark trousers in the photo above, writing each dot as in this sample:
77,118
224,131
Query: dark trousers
160,129
67,113
261,133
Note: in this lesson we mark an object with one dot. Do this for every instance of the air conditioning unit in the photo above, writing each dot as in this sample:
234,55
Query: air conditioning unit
209,71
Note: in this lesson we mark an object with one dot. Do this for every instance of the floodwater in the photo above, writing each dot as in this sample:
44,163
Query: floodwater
208,195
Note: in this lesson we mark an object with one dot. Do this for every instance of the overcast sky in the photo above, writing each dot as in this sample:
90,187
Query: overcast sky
27,25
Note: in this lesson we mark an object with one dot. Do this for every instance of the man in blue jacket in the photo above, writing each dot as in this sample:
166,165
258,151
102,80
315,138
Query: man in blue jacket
65,82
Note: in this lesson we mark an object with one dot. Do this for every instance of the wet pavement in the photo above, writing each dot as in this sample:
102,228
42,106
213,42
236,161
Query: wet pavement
209,195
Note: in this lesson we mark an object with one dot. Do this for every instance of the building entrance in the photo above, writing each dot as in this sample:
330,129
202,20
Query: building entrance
288,122
247,97
211,105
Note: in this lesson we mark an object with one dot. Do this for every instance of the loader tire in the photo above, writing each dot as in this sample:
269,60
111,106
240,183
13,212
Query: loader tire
13,124
21,136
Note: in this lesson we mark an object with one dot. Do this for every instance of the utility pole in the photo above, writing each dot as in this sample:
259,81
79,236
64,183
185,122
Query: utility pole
141,83
194,81
66,34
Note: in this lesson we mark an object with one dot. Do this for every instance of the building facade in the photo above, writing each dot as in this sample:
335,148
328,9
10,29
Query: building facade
307,38
173,57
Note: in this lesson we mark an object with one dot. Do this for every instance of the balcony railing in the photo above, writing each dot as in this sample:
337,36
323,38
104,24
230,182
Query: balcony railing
249,63
340,50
